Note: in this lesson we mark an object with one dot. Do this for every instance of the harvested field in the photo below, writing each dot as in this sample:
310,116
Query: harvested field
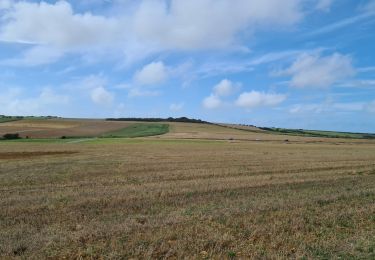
243,127
217,132
56,128
195,198
22,155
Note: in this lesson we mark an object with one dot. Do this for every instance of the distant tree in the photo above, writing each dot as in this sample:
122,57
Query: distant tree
11,136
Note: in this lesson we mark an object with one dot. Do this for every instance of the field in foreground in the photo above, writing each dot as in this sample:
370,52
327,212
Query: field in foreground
185,194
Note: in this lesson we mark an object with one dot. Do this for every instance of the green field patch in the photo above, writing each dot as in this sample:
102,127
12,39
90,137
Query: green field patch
4,119
36,140
139,130
317,133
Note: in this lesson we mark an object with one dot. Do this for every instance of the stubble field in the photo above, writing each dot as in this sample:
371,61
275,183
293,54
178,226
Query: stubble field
191,193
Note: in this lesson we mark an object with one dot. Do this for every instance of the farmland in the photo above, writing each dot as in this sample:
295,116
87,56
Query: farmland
139,130
56,128
197,191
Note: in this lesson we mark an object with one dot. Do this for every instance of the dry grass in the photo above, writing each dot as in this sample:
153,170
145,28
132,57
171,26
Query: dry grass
55,128
168,198
216,132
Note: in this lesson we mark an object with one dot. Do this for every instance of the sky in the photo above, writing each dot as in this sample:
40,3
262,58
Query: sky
293,63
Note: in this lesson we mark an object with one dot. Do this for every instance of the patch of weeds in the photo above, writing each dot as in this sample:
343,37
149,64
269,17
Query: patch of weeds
319,253
231,255
63,200
345,221
366,194
188,212
322,202
360,173
232,193
133,180
221,220
20,250
190,194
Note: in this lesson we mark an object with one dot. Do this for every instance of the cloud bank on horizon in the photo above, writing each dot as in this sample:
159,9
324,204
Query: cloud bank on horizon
292,63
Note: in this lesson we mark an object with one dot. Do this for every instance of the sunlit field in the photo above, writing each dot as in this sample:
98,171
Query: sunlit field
199,191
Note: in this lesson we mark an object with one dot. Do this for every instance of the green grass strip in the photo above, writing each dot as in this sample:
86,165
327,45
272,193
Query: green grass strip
139,130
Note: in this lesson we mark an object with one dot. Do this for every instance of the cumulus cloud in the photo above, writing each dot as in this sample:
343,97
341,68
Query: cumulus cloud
208,23
56,25
14,102
225,88
101,96
5,4
152,74
254,99
212,102
312,70
153,26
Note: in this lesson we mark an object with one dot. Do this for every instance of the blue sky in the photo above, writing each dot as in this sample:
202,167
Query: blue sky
292,63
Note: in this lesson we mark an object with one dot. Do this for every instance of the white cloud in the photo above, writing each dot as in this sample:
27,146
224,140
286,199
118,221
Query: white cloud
225,88
324,5
5,4
101,96
56,25
152,74
212,102
256,99
35,56
151,27
87,83
199,24
176,107
14,102
314,71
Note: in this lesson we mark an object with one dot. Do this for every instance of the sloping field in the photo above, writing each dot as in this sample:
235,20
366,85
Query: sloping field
244,127
8,119
218,132
56,128
159,198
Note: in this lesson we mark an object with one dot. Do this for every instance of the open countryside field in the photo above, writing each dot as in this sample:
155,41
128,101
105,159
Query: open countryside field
56,128
199,191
